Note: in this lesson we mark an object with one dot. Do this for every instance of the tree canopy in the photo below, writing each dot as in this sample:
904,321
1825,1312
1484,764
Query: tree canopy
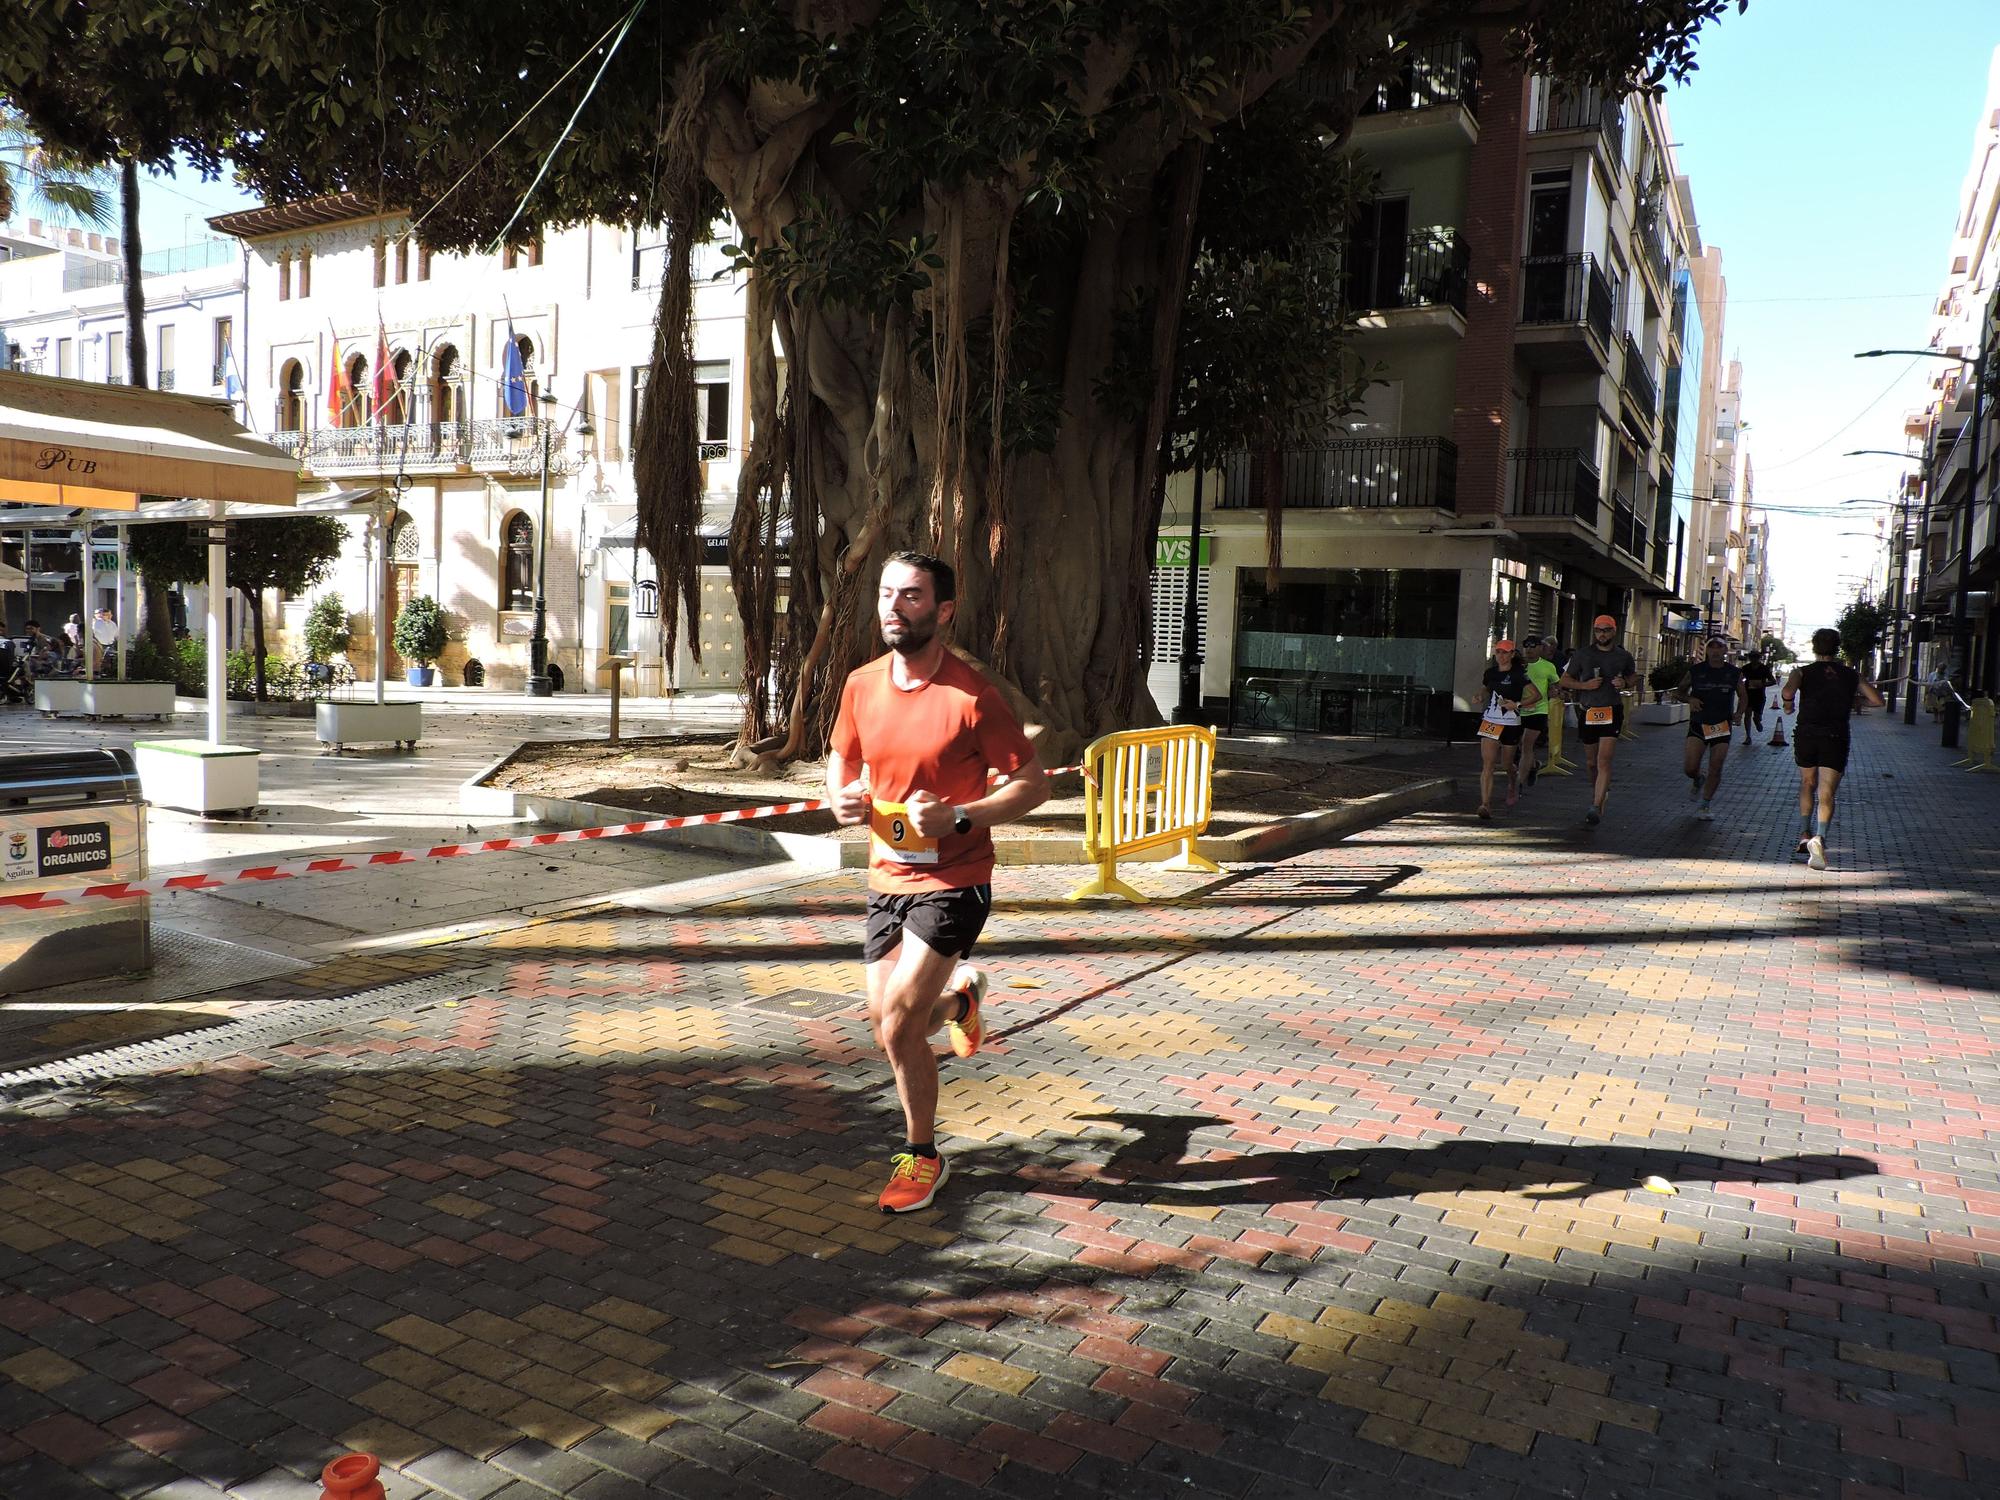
970,228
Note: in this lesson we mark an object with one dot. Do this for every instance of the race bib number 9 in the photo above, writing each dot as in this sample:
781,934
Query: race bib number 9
1716,731
1602,714
1488,730
895,836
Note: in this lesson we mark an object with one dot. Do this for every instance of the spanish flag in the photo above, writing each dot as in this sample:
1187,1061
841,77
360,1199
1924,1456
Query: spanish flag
338,395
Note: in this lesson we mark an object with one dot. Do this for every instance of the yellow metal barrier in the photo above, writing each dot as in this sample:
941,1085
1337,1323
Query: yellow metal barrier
1558,766
1630,724
1142,789
1979,732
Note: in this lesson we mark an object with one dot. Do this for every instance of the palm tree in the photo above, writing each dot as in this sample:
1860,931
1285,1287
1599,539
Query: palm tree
33,172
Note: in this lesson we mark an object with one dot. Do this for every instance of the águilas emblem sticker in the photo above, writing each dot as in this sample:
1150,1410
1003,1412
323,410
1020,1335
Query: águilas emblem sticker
19,863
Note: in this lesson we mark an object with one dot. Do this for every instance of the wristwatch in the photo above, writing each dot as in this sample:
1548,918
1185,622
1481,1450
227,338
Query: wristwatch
961,821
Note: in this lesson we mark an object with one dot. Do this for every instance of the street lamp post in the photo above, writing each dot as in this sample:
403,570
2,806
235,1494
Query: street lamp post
1188,709
538,648
1961,630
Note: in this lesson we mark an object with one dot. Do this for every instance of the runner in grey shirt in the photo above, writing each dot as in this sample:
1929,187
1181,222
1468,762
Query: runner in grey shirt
1595,675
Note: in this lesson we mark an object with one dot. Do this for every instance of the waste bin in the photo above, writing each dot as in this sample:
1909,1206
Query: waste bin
68,820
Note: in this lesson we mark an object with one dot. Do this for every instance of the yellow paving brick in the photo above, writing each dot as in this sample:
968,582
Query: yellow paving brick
391,1443
40,1369
818,1226
1478,1428
419,1333
1438,1389
621,1312
1897,1360
737,1224
478,1395
1426,1361
391,1398
1556,1372
631,1347
470,1434
738,1203
625,1379
641,1423
1365,1396
1605,1409
748,1249
1549,1417
1299,1331
862,1239
1898,1206
481,1358
559,1321
494,1329
549,1424
975,1369
545,1383
410,1367
1441,1447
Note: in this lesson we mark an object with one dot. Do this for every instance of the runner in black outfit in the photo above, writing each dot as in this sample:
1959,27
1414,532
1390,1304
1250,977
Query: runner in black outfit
1825,691
1717,692
1757,680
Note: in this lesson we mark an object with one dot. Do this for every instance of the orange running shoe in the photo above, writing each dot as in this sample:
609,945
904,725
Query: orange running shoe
913,1182
967,1034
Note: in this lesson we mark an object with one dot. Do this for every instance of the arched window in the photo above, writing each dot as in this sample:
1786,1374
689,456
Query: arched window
517,563
403,541
358,409
292,397
397,411
447,392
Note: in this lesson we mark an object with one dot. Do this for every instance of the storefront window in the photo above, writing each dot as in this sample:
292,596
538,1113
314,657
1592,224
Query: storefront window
1346,650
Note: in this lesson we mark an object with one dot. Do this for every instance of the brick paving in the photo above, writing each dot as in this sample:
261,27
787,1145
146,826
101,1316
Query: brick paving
1328,1178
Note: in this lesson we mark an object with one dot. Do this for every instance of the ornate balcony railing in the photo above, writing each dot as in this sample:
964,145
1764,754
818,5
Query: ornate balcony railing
1639,382
1427,269
501,443
1561,108
1354,474
1554,482
1566,289
1429,78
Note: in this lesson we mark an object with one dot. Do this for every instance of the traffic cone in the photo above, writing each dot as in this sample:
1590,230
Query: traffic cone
1778,734
352,1478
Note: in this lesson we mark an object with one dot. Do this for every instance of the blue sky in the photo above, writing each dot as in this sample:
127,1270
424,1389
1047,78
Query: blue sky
1826,142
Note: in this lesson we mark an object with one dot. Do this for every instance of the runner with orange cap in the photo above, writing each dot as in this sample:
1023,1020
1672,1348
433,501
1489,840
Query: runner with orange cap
1598,671
1509,689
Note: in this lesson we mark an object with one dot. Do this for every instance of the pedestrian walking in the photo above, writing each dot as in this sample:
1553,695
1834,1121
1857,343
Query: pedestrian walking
1826,691
1544,674
1757,680
104,631
1508,691
917,733
1717,693
1598,672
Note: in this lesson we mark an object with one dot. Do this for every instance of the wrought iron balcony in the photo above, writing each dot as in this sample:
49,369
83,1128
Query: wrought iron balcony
1353,474
513,443
1560,107
1427,268
1429,78
1554,482
1566,289
1639,382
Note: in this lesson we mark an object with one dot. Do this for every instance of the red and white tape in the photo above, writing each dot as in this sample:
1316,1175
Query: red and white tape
291,869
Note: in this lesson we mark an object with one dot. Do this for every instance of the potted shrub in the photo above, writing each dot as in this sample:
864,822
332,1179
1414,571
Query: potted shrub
421,638
327,633
1666,677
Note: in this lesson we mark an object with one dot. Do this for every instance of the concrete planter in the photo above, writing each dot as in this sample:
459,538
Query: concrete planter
196,776
1661,713
105,700
341,724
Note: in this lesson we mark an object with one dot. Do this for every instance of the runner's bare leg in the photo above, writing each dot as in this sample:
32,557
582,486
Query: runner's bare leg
906,1003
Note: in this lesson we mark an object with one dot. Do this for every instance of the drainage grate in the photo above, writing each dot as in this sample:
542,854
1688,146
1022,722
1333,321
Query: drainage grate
814,1004
283,1022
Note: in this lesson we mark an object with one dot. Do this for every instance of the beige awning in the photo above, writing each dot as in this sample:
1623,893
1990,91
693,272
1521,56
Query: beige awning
100,447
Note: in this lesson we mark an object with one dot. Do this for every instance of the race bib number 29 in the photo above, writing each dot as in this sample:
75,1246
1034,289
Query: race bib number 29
895,837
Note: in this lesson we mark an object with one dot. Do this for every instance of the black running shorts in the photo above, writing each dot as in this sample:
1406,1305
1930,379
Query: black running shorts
1823,749
1591,733
946,922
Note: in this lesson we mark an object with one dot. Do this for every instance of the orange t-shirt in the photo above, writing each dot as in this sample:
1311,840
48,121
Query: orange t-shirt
940,738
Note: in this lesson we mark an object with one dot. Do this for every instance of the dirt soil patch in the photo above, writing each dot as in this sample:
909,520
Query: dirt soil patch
675,775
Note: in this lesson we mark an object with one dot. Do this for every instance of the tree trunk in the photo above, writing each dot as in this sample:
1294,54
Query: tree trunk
255,599
154,618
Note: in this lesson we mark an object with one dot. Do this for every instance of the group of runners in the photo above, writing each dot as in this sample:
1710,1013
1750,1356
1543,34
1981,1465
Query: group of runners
1522,682
926,752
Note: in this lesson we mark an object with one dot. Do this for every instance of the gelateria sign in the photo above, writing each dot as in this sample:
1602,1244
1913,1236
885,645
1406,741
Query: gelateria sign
1172,552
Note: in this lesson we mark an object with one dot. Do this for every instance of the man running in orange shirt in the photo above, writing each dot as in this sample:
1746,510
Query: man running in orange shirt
917,733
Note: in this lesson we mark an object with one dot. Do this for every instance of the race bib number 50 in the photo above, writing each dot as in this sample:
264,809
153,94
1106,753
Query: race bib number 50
1601,714
895,837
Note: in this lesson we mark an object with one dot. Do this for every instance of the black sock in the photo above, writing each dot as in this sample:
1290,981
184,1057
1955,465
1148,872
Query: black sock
929,1148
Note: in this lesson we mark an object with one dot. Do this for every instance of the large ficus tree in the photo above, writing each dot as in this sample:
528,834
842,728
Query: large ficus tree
969,227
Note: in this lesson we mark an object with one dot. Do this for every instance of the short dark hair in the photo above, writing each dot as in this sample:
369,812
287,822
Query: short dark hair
944,582
1826,643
